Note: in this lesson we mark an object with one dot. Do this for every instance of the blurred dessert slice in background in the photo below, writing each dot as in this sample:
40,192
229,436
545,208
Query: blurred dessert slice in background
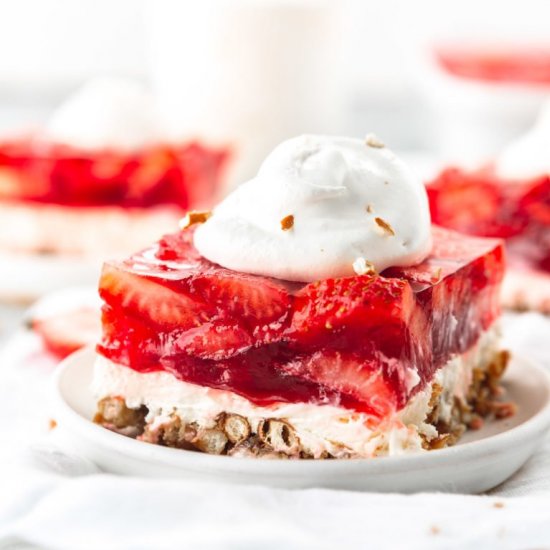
508,198
490,64
99,180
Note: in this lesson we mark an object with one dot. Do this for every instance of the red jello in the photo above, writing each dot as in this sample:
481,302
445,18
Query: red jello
357,342
480,203
184,176
518,65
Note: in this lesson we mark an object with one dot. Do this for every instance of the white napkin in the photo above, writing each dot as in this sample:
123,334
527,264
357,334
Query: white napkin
52,498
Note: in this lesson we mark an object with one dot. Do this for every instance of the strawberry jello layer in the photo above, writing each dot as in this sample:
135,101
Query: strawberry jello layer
482,203
366,343
43,172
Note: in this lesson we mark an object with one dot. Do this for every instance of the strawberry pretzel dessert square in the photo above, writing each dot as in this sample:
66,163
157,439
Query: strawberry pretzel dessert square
314,313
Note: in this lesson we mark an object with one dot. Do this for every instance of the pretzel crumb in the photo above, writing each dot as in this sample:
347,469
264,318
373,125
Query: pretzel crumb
504,410
498,504
370,208
287,222
476,423
52,424
194,217
372,141
435,530
385,226
363,267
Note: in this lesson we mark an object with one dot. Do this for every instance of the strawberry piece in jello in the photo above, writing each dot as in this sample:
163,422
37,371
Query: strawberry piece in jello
366,342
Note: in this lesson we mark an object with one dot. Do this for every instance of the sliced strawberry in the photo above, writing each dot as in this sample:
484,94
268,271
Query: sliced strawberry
66,332
241,295
214,340
148,299
327,308
175,263
351,375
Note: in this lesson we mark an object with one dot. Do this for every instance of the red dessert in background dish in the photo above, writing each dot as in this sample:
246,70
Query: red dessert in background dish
102,177
482,203
518,65
358,349
89,203
183,176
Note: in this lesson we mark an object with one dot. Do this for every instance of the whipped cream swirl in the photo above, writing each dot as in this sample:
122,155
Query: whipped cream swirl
317,205
106,113
529,155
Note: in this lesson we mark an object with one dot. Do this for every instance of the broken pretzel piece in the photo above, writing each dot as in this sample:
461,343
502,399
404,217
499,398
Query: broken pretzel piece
235,426
287,222
385,226
279,435
194,217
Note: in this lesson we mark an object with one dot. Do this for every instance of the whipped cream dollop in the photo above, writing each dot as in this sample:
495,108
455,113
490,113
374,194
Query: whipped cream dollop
318,205
106,113
529,155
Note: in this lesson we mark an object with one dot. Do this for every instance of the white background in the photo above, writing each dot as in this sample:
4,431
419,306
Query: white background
48,47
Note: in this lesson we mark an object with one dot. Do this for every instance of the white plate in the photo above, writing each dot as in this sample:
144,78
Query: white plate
481,461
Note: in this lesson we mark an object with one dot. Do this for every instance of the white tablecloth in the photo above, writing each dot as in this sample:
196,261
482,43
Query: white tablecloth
54,499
